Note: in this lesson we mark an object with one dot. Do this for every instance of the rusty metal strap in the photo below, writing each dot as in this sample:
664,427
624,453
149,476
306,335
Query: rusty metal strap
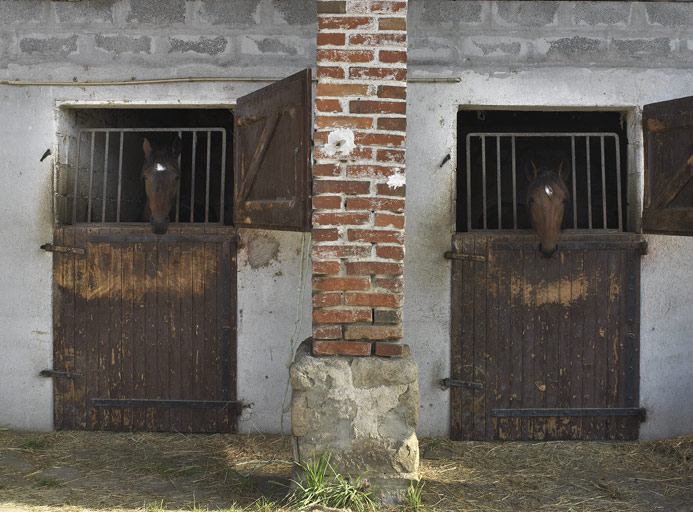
640,245
578,412
187,404
170,239
59,248
451,255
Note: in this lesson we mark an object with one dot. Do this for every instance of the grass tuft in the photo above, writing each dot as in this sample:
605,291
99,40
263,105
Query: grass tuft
322,485
412,500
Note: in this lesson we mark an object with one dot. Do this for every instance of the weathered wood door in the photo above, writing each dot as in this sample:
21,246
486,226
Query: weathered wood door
545,349
145,329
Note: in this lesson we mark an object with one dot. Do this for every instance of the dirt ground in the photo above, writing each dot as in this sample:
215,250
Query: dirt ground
103,471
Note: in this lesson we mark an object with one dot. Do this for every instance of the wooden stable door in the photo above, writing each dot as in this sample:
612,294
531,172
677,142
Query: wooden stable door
545,348
145,329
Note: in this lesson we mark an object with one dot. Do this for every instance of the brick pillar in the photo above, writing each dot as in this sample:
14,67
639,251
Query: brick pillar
358,177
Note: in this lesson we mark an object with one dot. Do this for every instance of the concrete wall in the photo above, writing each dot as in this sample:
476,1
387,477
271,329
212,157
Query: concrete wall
118,40
539,55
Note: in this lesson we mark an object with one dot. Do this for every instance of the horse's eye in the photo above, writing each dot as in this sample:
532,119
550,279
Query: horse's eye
531,200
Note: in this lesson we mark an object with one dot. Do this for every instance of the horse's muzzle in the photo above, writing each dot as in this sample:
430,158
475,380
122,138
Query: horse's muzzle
159,228
547,254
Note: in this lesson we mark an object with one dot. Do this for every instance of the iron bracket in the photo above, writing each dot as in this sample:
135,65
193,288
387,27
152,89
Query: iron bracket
452,255
59,248
447,383
61,375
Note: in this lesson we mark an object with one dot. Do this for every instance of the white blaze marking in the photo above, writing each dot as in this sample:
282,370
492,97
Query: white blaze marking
160,167
548,190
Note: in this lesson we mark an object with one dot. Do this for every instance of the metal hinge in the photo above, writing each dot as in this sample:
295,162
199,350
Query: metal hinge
61,375
447,383
452,255
60,248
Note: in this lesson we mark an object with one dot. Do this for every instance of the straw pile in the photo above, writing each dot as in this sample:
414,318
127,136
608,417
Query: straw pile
69,471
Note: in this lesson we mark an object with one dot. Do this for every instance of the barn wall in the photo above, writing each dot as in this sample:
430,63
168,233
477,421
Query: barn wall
118,40
598,55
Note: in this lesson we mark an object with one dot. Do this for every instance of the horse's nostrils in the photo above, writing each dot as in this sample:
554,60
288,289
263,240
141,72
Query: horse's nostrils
547,254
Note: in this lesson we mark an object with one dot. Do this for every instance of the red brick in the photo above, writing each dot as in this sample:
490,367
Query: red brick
375,204
377,39
332,7
339,90
391,284
365,268
389,252
327,202
391,155
333,284
372,332
383,220
345,55
392,24
358,153
397,74
386,190
329,72
341,187
341,219
327,332
380,139
385,300
325,235
323,105
344,22
391,57
398,124
326,170
342,348
324,300
371,171
389,349
392,92
377,107
331,39
326,267
362,123
342,316
340,251
388,6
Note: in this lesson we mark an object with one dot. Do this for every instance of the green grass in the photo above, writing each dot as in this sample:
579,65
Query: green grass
412,500
33,444
48,482
322,485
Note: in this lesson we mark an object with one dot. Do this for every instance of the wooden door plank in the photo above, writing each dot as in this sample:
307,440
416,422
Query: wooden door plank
198,264
601,338
211,375
174,315
504,372
92,333
163,340
81,340
577,336
127,333
614,273
186,333
151,343
540,382
589,387
528,335
552,340
479,339
139,326
565,312
60,298
115,334
491,353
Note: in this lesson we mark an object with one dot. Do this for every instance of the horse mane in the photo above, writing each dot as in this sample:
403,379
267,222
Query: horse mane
546,177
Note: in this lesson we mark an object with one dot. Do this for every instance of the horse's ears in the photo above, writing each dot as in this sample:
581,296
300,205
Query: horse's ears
535,171
177,147
147,148
563,173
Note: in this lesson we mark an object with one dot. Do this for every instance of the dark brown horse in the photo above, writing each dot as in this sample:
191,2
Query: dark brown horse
547,196
161,174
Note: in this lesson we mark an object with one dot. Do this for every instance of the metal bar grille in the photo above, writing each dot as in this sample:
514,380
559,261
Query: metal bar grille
594,182
107,172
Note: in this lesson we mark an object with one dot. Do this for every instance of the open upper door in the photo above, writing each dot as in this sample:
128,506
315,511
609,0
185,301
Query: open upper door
668,138
272,148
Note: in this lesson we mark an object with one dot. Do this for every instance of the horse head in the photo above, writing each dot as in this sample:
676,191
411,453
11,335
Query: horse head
547,195
161,174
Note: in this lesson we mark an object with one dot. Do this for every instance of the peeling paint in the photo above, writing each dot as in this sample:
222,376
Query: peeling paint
263,250
340,142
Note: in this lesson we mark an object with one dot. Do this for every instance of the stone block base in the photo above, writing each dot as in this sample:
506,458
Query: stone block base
364,412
